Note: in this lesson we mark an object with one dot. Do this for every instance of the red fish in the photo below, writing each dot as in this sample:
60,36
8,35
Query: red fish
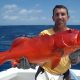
41,49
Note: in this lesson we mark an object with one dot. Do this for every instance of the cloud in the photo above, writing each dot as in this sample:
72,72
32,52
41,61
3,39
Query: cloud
6,17
9,7
14,12
30,11
17,15
23,11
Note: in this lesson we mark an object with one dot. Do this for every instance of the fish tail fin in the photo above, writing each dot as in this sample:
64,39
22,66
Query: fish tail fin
3,56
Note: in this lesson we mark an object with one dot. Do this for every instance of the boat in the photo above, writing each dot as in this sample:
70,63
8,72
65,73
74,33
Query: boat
29,74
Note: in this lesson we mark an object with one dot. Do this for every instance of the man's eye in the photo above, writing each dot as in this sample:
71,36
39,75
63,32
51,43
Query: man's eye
62,14
57,14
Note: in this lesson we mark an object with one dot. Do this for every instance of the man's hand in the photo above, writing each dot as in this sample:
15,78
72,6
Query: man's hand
24,64
75,57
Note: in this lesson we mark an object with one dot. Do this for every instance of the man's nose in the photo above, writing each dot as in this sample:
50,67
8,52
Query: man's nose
60,16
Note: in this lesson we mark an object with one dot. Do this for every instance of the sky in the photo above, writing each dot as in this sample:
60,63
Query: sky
36,12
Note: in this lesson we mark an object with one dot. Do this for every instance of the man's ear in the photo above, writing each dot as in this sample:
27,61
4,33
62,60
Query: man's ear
68,17
53,18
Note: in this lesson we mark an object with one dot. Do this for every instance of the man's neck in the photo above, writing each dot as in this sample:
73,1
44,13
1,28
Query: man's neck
59,29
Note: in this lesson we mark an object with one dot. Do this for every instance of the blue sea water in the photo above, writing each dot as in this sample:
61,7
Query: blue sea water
8,33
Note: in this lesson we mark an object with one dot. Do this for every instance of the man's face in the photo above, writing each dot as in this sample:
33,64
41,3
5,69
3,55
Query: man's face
60,16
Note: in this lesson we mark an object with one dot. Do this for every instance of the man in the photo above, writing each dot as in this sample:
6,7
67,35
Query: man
45,72
60,17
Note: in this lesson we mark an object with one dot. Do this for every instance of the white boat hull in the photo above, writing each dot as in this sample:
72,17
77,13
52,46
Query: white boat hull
29,74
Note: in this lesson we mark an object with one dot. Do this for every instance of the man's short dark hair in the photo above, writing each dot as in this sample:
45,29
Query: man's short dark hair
60,6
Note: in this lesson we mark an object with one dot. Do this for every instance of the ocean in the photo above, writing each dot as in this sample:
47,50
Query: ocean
9,33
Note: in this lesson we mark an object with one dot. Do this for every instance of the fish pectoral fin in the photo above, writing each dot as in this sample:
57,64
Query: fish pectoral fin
14,63
55,62
56,59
